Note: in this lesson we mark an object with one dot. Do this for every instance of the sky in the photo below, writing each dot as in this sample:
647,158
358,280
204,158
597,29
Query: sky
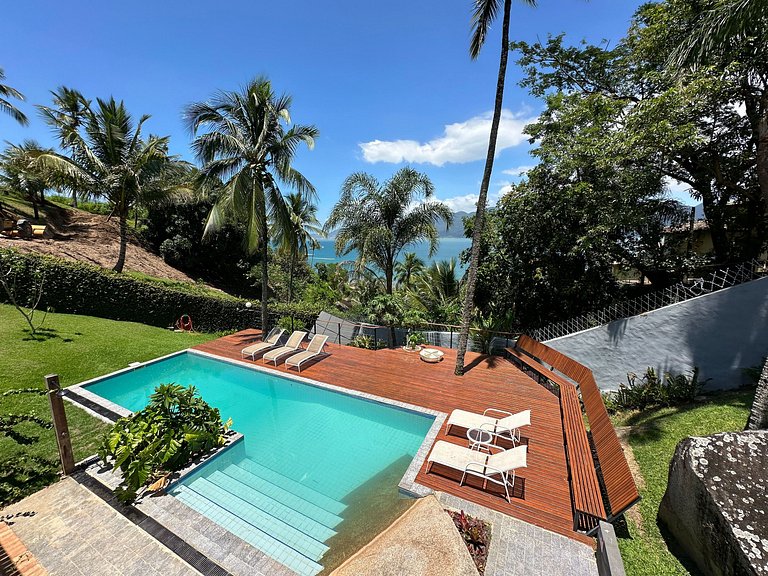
388,84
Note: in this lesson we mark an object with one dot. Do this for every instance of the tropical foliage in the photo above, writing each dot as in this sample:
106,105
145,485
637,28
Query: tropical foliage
247,151
176,426
19,176
6,105
379,220
109,158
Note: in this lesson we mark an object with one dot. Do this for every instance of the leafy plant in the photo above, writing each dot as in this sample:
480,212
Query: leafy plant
176,426
415,339
476,535
367,342
649,390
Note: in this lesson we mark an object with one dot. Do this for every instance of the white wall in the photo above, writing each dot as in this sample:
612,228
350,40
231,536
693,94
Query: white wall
722,333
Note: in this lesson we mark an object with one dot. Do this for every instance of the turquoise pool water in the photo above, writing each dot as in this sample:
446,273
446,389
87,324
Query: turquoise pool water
310,457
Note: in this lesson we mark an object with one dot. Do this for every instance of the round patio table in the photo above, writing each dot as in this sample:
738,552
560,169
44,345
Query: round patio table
480,439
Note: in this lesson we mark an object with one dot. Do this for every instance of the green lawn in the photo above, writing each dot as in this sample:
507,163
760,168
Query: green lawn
76,348
654,437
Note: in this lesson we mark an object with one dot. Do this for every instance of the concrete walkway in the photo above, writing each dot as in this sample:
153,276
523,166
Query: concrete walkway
72,532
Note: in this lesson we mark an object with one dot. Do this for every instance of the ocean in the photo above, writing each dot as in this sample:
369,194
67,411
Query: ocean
447,248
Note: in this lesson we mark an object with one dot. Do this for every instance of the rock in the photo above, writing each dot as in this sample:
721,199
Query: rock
422,542
716,503
24,228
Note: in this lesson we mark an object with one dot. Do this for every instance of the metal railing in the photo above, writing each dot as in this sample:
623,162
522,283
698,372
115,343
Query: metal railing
680,292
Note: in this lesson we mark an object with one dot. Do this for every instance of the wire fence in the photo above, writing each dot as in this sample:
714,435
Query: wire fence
717,280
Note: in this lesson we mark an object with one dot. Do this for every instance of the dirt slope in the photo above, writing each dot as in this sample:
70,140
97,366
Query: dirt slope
86,237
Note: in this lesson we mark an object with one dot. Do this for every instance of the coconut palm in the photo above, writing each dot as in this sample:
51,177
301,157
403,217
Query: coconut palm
484,13
69,111
110,159
380,220
6,106
19,176
436,290
407,269
296,239
249,150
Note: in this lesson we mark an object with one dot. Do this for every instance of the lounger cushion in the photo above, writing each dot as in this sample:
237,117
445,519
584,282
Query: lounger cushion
510,459
455,456
297,359
467,420
273,355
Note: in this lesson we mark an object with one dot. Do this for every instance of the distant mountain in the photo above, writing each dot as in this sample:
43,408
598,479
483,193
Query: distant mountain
456,230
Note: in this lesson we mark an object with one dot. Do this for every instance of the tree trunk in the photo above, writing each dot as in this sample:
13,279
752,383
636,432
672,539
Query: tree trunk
74,198
290,276
479,224
762,148
264,281
388,274
123,242
34,207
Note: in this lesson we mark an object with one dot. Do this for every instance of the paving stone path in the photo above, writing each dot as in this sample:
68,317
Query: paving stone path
521,548
72,532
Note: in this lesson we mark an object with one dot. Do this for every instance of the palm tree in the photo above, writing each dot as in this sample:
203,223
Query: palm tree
407,269
380,220
248,149
18,174
297,238
436,290
70,109
483,14
110,159
6,106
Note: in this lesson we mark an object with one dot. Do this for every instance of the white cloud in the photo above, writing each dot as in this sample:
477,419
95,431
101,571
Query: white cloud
461,142
517,170
468,202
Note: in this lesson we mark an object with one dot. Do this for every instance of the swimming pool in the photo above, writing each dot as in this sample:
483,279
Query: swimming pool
310,458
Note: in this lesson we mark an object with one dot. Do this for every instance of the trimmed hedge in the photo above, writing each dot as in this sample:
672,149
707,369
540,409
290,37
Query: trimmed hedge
78,288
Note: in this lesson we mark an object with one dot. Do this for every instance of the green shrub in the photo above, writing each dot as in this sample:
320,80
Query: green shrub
176,426
650,390
367,342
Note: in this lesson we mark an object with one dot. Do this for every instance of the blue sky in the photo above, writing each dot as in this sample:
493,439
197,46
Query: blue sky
387,83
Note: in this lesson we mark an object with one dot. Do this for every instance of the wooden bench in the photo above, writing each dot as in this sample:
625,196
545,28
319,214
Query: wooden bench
541,371
585,487
612,471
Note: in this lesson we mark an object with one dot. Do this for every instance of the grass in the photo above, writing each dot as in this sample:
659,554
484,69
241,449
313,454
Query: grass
655,434
76,348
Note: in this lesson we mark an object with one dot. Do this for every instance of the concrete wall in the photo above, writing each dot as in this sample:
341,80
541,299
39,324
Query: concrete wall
721,333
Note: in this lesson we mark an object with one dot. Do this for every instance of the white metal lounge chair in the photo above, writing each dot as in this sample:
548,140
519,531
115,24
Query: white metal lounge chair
500,422
271,341
314,350
292,346
497,468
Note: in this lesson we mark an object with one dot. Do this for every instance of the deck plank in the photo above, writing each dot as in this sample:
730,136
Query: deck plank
541,497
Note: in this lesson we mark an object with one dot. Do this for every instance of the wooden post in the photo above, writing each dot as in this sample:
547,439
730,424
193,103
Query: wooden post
60,424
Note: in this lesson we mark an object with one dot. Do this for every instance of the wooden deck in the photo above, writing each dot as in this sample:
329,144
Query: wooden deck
542,494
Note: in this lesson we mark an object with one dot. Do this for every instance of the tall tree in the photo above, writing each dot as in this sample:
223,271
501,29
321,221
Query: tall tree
6,105
733,34
379,220
111,159
66,116
298,236
247,148
19,176
483,15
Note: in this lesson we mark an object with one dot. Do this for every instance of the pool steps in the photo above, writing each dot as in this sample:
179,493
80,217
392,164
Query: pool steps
288,520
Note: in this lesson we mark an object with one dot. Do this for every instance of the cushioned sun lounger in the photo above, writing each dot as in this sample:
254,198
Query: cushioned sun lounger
271,341
314,350
500,422
292,346
497,468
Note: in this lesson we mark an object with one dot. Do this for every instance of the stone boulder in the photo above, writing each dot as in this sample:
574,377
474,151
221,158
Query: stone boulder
716,503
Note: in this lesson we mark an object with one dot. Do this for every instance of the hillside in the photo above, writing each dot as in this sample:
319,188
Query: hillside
85,237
